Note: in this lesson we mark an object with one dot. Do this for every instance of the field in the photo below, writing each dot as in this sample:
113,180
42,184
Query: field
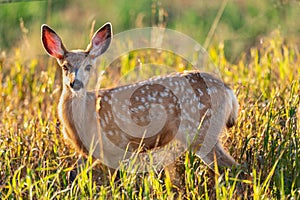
35,161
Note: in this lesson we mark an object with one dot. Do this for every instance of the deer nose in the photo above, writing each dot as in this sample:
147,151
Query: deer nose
76,84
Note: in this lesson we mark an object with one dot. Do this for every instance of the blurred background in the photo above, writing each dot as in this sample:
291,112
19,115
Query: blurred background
236,23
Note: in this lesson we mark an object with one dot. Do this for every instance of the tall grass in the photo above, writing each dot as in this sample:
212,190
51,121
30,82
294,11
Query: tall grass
239,23
35,162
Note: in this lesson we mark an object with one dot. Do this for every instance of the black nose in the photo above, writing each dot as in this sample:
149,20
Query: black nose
76,84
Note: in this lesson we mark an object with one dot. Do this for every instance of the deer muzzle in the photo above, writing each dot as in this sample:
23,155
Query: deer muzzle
76,85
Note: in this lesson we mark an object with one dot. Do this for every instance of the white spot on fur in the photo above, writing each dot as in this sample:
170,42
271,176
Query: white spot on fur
193,109
111,133
201,106
212,90
105,98
200,92
171,111
141,108
102,123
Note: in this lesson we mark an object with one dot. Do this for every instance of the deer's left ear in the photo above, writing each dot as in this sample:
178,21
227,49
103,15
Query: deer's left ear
100,41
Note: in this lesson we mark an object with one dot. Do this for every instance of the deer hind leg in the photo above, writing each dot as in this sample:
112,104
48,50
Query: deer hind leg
100,173
72,174
223,159
234,107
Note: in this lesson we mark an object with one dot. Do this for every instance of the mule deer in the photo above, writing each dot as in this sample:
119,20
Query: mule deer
190,107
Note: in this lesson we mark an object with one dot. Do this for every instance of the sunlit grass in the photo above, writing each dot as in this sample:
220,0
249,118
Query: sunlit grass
35,161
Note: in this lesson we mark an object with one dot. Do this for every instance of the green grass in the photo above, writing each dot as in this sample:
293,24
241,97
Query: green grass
240,25
35,161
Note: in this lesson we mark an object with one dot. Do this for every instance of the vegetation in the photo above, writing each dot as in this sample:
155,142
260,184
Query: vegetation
240,25
35,162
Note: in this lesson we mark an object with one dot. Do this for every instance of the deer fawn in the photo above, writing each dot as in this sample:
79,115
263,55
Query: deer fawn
190,107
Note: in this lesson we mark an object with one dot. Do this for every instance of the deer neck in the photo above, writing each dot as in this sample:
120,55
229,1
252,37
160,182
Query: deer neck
78,108
78,116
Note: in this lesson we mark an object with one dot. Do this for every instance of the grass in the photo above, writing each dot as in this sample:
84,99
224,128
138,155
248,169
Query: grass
35,161
239,24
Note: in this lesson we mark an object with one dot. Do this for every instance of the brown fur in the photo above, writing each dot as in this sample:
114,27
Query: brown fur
98,119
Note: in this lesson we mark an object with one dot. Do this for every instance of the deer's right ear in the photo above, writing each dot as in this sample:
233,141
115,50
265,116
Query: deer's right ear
52,42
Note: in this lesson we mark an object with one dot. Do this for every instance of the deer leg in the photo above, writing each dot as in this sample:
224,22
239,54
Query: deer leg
223,159
76,170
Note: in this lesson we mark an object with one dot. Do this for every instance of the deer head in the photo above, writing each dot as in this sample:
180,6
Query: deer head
76,64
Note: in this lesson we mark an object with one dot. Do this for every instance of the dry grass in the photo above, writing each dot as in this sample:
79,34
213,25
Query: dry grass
35,161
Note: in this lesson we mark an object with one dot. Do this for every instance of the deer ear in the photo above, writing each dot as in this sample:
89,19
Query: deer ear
52,42
100,41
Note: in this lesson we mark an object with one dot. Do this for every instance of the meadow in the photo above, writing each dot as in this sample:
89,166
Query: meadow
35,161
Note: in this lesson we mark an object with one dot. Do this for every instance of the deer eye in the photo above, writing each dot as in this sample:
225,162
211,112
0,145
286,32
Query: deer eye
88,68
